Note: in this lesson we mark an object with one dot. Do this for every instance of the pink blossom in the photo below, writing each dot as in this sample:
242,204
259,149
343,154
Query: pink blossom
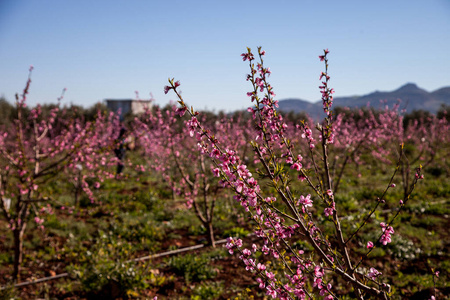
181,111
387,231
261,267
192,125
247,56
216,172
270,275
246,252
373,273
297,166
318,272
38,220
306,201
328,211
301,177
261,283
271,292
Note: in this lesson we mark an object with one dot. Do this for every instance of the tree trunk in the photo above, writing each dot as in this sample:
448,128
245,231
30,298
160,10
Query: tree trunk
210,233
18,250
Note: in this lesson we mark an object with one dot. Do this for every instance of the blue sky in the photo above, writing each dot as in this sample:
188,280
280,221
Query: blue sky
110,49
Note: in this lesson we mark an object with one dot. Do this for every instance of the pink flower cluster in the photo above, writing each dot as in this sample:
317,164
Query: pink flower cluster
307,134
328,211
373,273
168,88
39,222
387,231
305,202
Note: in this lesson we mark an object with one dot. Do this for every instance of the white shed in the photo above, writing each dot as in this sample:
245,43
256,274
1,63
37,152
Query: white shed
128,105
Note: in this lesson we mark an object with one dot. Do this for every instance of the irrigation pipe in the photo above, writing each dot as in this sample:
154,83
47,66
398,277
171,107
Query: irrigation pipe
173,251
38,280
62,275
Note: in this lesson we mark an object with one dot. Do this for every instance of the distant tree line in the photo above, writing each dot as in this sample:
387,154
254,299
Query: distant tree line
422,116
8,112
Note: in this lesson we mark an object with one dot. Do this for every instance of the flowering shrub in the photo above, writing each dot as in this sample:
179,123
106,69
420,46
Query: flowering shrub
294,191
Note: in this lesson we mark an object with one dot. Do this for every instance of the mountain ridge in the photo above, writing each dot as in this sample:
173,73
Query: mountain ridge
411,97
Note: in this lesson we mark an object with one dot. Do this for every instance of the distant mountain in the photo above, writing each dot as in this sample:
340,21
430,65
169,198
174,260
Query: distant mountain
411,96
298,105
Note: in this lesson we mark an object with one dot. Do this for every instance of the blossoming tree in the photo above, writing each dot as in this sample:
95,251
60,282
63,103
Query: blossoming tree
284,212
34,152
